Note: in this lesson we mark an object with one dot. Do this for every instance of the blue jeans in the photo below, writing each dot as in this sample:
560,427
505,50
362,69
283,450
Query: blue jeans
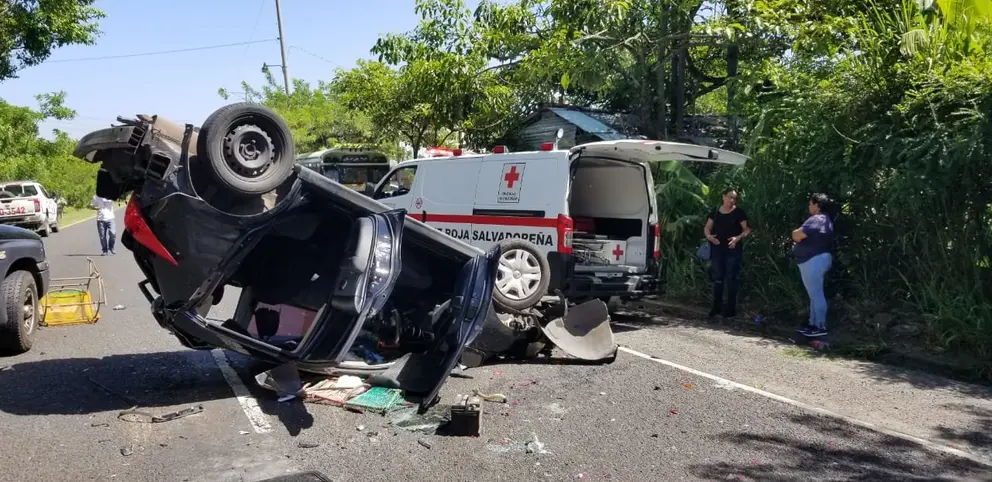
813,271
105,229
726,268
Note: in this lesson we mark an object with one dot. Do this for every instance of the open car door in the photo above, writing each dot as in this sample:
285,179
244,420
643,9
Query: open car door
657,151
457,323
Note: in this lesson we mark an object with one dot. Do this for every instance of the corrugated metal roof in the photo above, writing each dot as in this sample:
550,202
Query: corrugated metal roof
588,124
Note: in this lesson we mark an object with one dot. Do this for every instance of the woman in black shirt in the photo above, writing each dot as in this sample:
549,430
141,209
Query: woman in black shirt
726,227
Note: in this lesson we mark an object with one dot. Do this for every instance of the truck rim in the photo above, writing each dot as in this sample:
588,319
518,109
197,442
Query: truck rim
519,274
29,311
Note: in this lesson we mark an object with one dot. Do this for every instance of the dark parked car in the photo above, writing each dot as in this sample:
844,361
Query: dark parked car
225,205
26,278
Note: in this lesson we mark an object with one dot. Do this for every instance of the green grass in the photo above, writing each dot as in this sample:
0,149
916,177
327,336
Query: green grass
797,352
75,215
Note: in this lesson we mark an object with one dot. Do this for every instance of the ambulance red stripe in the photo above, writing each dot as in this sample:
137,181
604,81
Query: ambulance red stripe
530,222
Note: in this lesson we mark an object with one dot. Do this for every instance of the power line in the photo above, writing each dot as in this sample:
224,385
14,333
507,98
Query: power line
258,16
161,52
301,49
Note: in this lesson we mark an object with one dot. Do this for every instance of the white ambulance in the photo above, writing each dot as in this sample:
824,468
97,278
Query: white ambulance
583,221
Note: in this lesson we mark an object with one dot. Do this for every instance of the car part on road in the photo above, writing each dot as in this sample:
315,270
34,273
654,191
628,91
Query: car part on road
71,301
466,417
139,416
584,332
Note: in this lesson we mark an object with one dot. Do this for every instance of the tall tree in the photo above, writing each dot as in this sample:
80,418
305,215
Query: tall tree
31,29
317,116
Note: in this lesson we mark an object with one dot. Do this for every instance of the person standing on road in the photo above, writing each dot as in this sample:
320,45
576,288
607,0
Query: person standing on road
812,249
726,227
105,224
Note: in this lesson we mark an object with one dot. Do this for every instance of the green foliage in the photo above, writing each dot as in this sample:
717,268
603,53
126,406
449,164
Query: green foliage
31,29
24,155
318,117
902,137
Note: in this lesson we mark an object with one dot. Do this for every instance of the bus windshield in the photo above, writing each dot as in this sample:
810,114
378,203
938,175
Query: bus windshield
354,168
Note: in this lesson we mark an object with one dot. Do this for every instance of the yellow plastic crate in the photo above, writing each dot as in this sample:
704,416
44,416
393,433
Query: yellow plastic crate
70,301
68,307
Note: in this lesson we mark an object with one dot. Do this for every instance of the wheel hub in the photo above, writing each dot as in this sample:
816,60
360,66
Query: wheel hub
28,312
248,150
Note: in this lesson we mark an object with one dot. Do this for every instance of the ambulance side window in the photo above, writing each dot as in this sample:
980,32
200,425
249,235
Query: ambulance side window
399,183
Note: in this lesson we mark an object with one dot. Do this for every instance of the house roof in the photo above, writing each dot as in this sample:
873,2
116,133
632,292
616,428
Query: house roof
588,123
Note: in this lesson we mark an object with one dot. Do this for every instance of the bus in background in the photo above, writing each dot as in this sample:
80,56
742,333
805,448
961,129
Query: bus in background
357,168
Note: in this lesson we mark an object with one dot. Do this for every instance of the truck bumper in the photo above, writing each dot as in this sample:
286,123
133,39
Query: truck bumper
45,277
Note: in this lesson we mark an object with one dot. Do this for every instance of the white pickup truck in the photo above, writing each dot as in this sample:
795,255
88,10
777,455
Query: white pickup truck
28,205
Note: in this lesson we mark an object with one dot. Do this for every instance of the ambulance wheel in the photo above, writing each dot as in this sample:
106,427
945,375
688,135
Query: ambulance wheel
248,148
523,275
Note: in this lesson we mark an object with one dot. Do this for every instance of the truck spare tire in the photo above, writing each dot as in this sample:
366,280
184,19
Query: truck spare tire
246,148
523,275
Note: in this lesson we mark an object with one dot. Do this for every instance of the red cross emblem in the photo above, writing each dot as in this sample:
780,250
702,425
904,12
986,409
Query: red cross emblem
419,203
617,252
511,177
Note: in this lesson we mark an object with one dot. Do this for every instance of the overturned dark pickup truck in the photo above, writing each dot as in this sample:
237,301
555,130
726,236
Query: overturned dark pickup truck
329,279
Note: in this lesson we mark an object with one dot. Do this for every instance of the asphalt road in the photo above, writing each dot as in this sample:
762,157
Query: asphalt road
636,419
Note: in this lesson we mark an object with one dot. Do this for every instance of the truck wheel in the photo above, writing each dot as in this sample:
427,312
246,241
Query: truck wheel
523,275
246,148
46,229
20,312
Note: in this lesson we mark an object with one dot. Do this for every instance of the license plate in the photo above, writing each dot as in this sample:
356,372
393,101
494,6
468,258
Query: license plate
609,275
9,211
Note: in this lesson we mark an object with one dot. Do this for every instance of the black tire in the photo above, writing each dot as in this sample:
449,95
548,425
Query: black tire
246,148
534,291
20,299
46,229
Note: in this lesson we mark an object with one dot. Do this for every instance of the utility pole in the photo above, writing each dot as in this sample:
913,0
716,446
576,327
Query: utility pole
282,45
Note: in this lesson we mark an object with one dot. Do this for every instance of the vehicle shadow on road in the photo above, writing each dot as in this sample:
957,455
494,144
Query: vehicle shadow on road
850,454
72,386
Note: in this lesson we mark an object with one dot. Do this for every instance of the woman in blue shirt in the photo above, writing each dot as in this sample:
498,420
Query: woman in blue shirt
813,245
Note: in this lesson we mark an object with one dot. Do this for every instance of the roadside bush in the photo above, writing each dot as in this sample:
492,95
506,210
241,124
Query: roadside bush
903,142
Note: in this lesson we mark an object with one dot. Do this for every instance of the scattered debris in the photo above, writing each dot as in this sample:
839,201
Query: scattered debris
410,420
602,393
535,445
99,425
556,409
5,368
243,432
656,387
687,385
308,445
497,372
495,397
283,379
377,399
466,417
360,428
135,415
131,401
673,412
119,307
127,450
654,435
724,384
424,443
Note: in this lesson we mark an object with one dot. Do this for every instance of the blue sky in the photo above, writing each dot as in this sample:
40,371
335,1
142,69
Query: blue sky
321,35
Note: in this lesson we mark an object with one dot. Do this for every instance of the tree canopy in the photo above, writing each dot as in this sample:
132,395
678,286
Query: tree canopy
31,29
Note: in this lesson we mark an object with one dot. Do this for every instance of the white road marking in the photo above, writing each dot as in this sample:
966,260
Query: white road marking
259,421
822,411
